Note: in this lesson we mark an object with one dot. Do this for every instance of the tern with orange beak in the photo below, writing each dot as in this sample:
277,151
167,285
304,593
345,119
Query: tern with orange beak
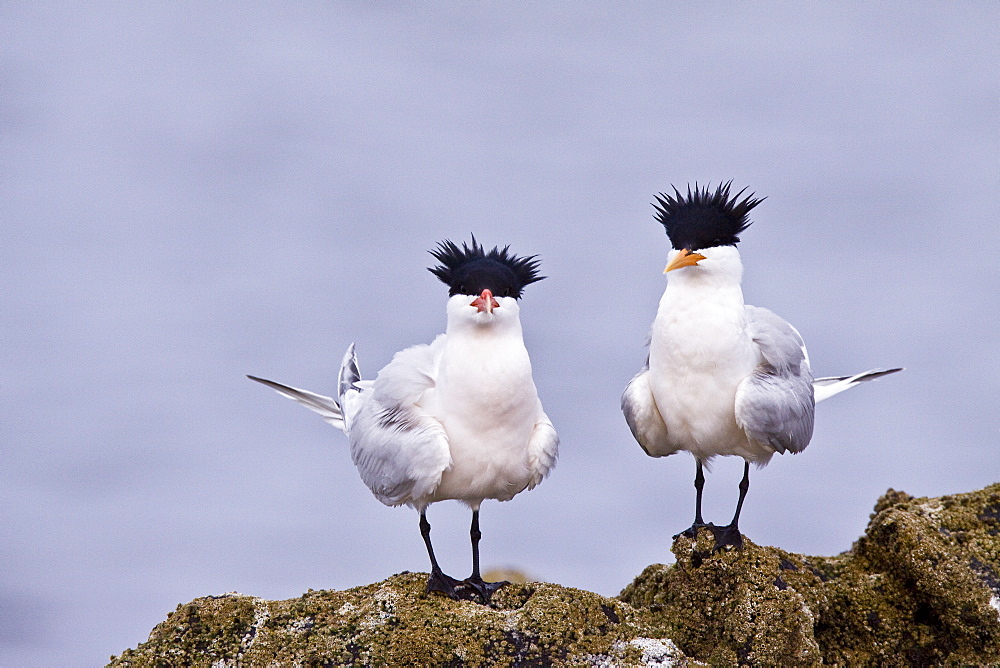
456,419
722,377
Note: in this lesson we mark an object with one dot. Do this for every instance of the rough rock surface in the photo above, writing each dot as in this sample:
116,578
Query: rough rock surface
393,623
921,587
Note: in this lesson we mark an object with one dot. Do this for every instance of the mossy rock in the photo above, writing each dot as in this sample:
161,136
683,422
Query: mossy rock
394,623
734,607
920,588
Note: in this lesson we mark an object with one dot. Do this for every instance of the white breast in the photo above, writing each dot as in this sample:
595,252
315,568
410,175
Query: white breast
699,353
487,402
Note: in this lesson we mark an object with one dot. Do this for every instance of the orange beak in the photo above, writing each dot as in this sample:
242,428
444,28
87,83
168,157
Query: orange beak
485,302
685,258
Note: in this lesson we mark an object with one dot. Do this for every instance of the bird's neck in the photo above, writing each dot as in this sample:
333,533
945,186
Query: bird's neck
485,343
704,289
477,331
701,319
504,322
486,369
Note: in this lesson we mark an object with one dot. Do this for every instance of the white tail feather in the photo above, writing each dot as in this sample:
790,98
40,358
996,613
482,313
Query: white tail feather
824,388
327,407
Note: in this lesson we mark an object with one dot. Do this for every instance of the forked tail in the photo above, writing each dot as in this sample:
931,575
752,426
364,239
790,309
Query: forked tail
332,411
349,387
824,388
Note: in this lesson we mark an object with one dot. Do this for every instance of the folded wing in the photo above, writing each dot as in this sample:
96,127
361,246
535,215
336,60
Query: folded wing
399,448
543,449
775,404
643,417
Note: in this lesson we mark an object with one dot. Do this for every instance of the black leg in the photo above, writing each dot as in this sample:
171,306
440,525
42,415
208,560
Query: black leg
744,487
437,581
699,486
473,587
730,535
475,534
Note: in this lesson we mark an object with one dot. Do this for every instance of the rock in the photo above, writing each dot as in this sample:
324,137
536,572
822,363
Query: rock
394,623
734,607
921,587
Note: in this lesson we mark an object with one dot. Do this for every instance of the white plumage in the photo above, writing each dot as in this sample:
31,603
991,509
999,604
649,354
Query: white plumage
459,418
722,377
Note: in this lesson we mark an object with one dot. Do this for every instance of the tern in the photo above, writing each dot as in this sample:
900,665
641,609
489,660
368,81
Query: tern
722,377
458,418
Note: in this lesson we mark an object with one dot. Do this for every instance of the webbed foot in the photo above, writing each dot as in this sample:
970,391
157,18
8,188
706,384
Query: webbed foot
444,584
692,531
477,590
727,536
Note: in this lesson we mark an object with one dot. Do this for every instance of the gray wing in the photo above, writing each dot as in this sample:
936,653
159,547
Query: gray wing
401,450
643,417
775,404
543,449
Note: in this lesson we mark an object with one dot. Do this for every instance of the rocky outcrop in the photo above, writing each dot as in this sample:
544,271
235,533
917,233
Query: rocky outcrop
921,587
393,623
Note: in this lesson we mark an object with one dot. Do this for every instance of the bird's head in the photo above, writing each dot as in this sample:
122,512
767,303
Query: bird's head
484,285
703,223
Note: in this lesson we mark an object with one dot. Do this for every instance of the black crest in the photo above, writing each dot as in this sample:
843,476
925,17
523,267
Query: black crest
704,219
471,269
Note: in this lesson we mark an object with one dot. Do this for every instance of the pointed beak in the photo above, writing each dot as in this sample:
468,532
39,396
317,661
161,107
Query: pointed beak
686,258
485,302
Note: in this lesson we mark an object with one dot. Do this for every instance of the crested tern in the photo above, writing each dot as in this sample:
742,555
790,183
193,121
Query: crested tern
722,377
458,418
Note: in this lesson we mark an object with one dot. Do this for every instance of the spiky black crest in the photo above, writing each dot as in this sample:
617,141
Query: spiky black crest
704,219
471,269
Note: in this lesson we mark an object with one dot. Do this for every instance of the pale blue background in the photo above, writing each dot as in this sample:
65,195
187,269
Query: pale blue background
191,192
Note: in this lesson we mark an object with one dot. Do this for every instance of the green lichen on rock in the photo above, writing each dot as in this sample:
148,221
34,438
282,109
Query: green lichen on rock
919,588
733,607
394,623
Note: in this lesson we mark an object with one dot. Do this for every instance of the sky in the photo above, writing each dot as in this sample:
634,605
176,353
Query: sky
191,192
